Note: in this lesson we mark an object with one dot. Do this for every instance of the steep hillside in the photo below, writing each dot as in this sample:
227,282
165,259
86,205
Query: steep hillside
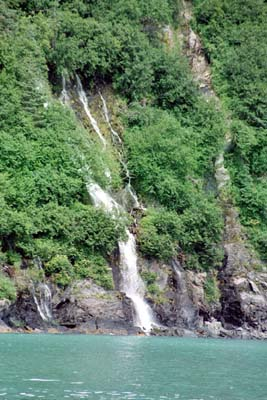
233,34
113,202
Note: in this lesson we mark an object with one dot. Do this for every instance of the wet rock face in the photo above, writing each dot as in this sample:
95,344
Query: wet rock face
206,311
163,300
4,328
4,305
82,307
240,312
244,290
187,310
180,295
91,307
244,300
23,313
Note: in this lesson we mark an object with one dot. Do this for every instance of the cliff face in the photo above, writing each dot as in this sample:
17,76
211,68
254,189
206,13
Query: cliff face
243,296
181,305
119,179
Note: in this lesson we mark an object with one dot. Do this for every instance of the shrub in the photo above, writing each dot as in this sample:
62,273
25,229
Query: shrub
7,288
149,277
60,269
202,232
159,154
234,35
211,289
97,269
159,233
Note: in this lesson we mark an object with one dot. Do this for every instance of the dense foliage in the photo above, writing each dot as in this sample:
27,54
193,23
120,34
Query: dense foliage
172,137
234,34
7,288
171,162
46,158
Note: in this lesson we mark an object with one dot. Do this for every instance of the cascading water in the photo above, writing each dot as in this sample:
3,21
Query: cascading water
106,114
64,96
43,300
84,101
102,199
42,296
132,284
130,190
117,138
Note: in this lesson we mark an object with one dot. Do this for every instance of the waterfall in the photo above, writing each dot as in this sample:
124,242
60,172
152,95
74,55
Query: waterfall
42,296
132,284
84,101
43,299
102,199
221,174
106,114
116,137
64,96
131,192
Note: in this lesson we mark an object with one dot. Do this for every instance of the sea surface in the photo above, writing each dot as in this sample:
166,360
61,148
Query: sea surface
131,368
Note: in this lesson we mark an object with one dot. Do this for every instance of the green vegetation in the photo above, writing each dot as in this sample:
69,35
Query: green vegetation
234,35
95,268
153,290
169,165
171,138
211,289
159,234
7,288
46,158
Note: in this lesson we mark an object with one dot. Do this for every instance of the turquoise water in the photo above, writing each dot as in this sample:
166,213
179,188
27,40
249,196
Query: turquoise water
131,368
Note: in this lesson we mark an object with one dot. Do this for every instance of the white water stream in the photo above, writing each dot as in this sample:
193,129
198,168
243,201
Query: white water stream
132,283
42,296
43,300
116,136
64,96
84,101
106,114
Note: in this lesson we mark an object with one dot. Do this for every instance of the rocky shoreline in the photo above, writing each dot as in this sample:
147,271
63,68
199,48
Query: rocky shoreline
213,330
181,308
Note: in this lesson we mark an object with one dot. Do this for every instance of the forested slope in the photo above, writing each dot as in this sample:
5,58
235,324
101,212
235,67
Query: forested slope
234,35
171,136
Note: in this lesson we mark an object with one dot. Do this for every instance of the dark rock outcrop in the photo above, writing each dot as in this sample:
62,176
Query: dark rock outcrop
4,305
82,307
187,310
163,300
88,307
23,314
